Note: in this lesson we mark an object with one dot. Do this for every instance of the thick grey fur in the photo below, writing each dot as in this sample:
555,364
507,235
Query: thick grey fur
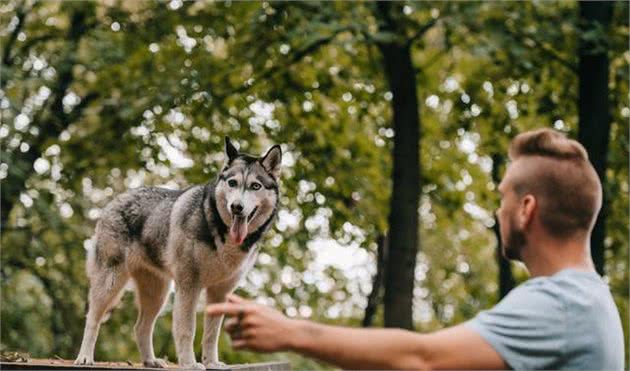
156,236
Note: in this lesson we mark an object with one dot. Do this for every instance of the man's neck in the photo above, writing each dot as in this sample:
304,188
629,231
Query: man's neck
548,257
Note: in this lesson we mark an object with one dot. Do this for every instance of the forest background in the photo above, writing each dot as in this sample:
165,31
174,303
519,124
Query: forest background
394,119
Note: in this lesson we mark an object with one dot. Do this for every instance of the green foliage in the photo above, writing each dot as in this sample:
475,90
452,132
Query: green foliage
149,80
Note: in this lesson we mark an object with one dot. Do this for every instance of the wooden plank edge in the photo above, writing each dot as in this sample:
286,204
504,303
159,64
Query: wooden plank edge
43,365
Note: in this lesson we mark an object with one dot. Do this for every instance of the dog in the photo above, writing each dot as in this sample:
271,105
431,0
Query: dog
202,238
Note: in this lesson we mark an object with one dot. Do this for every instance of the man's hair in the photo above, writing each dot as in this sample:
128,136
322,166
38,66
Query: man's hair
565,184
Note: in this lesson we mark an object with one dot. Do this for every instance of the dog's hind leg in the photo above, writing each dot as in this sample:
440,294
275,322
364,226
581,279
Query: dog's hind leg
151,293
106,284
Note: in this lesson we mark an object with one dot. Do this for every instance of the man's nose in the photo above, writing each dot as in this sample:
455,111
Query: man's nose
237,208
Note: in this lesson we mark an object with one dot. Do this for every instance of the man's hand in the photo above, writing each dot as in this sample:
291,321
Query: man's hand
260,328
253,326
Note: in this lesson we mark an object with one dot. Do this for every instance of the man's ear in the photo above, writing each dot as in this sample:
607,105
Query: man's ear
271,160
528,208
230,151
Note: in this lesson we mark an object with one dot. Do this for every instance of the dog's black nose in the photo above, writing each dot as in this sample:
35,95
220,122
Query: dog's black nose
237,209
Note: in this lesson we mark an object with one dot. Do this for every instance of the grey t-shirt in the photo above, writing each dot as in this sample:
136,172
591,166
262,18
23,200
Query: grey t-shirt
567,321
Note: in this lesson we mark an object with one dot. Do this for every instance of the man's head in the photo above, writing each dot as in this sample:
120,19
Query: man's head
550,187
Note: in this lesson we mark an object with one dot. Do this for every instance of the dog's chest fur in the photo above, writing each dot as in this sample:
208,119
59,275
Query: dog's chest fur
228,263
204,254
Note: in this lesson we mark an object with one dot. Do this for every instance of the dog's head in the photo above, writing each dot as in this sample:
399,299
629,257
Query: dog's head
247,190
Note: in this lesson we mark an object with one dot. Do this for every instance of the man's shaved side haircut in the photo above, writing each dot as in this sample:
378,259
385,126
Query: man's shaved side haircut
560,176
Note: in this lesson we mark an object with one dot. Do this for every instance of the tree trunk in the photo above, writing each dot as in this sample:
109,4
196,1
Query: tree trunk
375,296
506,279
593,104
403,215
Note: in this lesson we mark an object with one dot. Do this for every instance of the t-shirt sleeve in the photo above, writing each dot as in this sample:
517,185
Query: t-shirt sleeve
527,328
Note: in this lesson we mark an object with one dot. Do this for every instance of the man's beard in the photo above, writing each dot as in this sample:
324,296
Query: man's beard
514,243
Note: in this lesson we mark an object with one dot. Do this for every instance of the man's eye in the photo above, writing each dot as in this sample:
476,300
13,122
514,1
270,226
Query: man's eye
255,186
232,183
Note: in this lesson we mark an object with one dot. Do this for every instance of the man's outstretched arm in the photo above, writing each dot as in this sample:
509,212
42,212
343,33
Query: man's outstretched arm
264,329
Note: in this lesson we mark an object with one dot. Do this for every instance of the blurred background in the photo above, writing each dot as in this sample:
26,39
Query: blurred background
100,97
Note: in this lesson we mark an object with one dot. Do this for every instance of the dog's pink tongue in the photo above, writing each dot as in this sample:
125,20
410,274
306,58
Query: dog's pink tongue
238,230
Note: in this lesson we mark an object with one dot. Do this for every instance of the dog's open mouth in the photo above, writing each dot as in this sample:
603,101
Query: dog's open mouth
251,215
239,227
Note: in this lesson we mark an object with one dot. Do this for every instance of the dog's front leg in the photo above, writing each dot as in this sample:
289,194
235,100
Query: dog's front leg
184,325
211,330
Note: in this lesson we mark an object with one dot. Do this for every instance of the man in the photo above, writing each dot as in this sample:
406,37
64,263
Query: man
564,317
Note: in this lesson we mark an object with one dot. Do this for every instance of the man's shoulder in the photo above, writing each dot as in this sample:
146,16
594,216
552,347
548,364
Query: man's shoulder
528,327
567,285
541,293
556,300
544,320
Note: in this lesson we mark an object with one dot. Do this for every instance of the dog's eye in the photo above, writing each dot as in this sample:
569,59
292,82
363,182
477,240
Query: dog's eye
232,183
255,186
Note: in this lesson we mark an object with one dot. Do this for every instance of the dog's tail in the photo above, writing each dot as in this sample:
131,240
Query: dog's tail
106,276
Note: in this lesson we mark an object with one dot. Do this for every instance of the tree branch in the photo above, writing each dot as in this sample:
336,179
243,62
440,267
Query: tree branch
522,38
422,30
21,14
295,58
35,40
77,111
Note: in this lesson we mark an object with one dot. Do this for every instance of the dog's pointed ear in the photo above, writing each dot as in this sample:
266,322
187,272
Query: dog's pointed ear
271,160
230,151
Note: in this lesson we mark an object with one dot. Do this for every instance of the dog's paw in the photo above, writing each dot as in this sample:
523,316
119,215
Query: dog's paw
218,365
84,360
194,366
155,363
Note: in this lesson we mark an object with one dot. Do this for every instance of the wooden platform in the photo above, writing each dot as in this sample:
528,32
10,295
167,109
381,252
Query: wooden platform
54,364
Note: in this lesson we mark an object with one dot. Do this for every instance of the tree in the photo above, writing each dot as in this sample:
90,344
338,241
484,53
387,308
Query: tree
594,105
403,212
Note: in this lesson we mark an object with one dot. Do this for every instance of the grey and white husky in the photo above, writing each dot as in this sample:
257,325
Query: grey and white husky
202,238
